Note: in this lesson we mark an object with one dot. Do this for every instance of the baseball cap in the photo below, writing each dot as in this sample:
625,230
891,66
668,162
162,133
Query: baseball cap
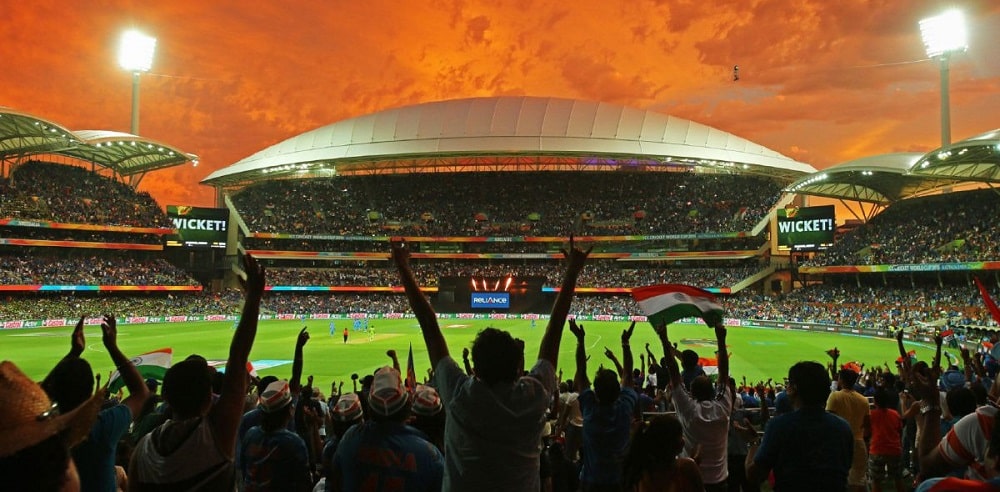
275,397
387,395
348,408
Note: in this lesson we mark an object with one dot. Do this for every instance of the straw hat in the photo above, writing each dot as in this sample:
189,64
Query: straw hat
28,416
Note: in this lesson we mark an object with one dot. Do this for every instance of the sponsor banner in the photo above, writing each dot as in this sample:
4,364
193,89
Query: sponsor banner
465,316
176,319
357,315
285,316
137,319
54,322
498,316
13,324
393,315
490,300
216,317
321,316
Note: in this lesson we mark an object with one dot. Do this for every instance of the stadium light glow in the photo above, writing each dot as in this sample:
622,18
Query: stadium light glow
135,54
943,35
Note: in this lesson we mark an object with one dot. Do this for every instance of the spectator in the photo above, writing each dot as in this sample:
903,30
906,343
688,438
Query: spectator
385,453
272,457
196,449
808,449
71,383
653,464
704,413
607,415
495,419
853,407
36,437
885,454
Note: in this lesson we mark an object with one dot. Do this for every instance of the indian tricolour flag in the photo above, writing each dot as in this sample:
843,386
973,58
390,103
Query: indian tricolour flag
667,303
150,365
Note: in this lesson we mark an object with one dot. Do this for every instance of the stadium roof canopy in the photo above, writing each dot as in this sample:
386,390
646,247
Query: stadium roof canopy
973,159
23,135
507,133
879,179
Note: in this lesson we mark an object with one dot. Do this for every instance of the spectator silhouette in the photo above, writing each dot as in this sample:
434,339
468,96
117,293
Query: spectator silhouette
495,419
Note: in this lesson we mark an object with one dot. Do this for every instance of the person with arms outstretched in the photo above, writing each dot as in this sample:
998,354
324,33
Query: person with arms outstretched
495,418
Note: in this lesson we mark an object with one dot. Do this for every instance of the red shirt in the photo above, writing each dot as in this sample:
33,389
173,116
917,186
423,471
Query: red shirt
887,428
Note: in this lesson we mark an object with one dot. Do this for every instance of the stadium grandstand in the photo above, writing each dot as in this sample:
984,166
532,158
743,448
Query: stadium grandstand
485,191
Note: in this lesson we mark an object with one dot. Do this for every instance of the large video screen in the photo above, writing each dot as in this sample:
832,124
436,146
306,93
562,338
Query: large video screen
198,227
492,294
806,228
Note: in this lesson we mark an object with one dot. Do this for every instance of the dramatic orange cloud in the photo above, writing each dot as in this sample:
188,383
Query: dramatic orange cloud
820,81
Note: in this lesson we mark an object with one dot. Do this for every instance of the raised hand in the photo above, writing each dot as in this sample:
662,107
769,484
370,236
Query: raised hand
609,354
254,283
400,253
576,329
109,331
391,353
77,342
465,352
627,334
661,331
303,337
576,256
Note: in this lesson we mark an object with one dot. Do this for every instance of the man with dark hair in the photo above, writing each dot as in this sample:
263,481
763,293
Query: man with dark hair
705,412
607,415
853,407
809,448
385,453
195,450
71,383
271,456
495,419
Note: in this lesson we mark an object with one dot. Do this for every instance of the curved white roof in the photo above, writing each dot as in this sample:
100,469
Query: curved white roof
512,126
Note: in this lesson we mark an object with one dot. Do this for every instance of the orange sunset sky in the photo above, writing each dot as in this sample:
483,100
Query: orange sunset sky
821,81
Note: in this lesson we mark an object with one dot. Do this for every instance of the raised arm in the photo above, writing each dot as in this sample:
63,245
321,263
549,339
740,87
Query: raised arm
904,370
437,347
295,384
77,342
225,415
723,354
391,353
138,393
627,360
610,354
669,357
580,380
549,349
465,362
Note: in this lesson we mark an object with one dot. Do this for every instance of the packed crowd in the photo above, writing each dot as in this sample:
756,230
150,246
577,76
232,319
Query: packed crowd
502,421
605,273
62,193
836,304
46,234
954,227
510,204
26,266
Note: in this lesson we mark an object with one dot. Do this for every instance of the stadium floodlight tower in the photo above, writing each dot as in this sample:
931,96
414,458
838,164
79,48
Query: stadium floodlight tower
943,35
135,54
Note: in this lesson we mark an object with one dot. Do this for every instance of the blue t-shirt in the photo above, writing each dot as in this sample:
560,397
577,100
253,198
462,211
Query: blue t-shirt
95,456
388,456
808,449
605,436
274,460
